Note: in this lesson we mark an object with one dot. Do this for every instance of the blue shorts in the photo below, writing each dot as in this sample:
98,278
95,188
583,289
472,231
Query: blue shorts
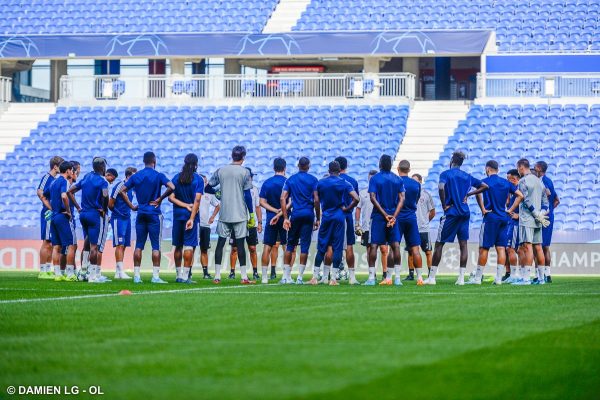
382,234
547,233
452,226
493,233
95,228
61,232
512,234
148,225
331,233
350,236
182,237
121,232
409,229
300,232
275,233
45,227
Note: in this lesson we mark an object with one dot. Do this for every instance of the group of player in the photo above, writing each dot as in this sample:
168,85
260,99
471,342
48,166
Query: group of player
517,219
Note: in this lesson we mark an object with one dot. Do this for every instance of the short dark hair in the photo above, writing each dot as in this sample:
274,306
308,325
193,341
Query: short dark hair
372,172
513,172
385,163
65,166
343,161
404,166
523,162
458,157
99,164
56,161
303,163
75,164
543,166
238,153
149,158
279,164
418,176
130,171
113,172
334,167
493,164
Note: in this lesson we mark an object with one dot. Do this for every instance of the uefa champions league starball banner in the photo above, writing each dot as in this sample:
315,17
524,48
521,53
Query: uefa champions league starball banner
296,44
572,259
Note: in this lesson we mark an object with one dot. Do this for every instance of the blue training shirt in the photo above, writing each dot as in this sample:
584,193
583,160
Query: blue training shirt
55,191
494,199
552,196
457,184
333,191
386,187
121,210
91,187
44,185
412,194
186,193
301,187
271,191
147,184
354,184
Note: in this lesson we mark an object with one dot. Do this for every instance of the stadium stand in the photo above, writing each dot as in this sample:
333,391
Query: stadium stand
122,134
133,16
567,137
536,25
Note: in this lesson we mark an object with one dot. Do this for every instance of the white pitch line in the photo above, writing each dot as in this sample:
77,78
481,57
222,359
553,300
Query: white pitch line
54,290
113,294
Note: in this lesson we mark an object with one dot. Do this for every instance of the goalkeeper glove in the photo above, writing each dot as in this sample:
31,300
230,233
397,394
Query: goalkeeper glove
48,215
358,231
542,218
252,221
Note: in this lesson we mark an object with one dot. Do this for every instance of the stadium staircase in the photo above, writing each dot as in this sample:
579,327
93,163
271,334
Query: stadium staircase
18,120
428,128
285,16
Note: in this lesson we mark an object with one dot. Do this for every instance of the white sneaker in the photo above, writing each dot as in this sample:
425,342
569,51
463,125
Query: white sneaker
121,275
429,281
265,280
324,282
498,281
460,281
102,279
474,281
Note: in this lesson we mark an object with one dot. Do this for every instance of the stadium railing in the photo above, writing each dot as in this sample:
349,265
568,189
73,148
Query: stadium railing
538,85
5,89
74,89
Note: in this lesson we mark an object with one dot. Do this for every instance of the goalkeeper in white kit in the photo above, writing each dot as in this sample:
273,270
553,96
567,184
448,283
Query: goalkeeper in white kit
533,215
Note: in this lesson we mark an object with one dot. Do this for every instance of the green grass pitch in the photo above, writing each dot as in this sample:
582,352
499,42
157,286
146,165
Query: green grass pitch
302,342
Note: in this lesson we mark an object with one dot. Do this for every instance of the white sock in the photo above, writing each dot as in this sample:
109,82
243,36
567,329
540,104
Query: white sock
419,272
85,262
301,271
218,271
156,272
265,271
186,273
371,272
499,271
540,273
243,272
287,272
513,270
119,266
92,272
548,270
479,272
98,270
352,275
178,272
316,272
136,272
326,270
396,271
57,270
524,273
433,272
70,270
461,273
43,267
530,270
